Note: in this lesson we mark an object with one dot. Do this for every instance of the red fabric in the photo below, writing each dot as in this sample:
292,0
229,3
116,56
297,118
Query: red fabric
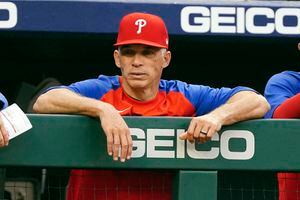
290,108
171,104
289,183
119,185
130,185
289,186
142,28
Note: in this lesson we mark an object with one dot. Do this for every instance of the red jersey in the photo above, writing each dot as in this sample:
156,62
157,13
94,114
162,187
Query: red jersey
175,98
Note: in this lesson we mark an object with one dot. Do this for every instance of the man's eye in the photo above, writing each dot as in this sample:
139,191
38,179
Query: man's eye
127,52
148,52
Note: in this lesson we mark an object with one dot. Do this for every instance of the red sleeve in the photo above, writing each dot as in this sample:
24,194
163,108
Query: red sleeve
290,108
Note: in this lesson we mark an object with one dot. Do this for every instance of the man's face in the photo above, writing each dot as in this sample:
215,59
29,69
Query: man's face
141,65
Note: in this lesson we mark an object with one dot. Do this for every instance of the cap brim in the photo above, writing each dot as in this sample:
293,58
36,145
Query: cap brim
127,42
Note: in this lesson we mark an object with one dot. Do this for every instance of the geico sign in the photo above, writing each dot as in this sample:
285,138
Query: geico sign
11,9
199,19
150,146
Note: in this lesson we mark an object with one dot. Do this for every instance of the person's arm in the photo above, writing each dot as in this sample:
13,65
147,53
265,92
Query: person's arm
65,101
243,105
3,135
4,138
290,108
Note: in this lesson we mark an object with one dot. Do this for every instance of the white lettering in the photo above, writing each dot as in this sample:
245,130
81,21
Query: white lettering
222,24
153,147
138,145
180,145
262,29
12,15
152,143
240,20
243,155
140,23
212,154
279,20
201,24
254,20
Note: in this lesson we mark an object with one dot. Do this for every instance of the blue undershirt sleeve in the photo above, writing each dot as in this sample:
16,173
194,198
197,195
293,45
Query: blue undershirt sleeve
278,89
206,99
3,101
92,88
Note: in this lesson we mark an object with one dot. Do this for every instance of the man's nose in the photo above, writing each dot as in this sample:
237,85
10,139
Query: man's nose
137,60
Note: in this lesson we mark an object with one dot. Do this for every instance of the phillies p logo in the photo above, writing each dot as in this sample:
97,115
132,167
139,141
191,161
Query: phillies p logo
140,23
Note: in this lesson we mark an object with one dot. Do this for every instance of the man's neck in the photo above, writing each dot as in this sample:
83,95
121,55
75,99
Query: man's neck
142,94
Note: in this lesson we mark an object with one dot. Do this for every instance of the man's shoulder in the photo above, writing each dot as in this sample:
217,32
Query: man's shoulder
171,85
285,77
181,86
286,74
112,81
284,81
103,77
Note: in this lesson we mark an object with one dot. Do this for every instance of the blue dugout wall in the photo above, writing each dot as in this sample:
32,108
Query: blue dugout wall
240,18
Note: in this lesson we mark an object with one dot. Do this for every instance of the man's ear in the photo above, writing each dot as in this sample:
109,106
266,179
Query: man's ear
299,46
117,58
167,59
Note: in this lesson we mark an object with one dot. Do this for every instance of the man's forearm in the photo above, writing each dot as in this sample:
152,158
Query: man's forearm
242,106
65,101
115,128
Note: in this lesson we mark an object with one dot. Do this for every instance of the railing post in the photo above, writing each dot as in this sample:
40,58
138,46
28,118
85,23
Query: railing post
2,182
195,185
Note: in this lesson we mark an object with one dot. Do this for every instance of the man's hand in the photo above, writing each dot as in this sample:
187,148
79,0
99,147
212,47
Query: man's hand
117,133
3,134
243,105
202,128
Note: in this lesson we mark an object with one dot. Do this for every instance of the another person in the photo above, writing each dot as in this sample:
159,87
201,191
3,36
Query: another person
283,93
141,54
3,133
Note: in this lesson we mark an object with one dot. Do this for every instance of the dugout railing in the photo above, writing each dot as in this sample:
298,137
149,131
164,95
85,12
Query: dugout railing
257,147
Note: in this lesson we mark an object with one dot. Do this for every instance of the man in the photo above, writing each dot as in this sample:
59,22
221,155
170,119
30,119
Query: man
3,133
283,93
142,54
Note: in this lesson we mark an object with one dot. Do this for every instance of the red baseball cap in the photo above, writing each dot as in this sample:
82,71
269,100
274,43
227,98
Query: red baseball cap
143,28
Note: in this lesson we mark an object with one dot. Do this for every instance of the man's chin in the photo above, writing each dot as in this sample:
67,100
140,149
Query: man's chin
138,84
